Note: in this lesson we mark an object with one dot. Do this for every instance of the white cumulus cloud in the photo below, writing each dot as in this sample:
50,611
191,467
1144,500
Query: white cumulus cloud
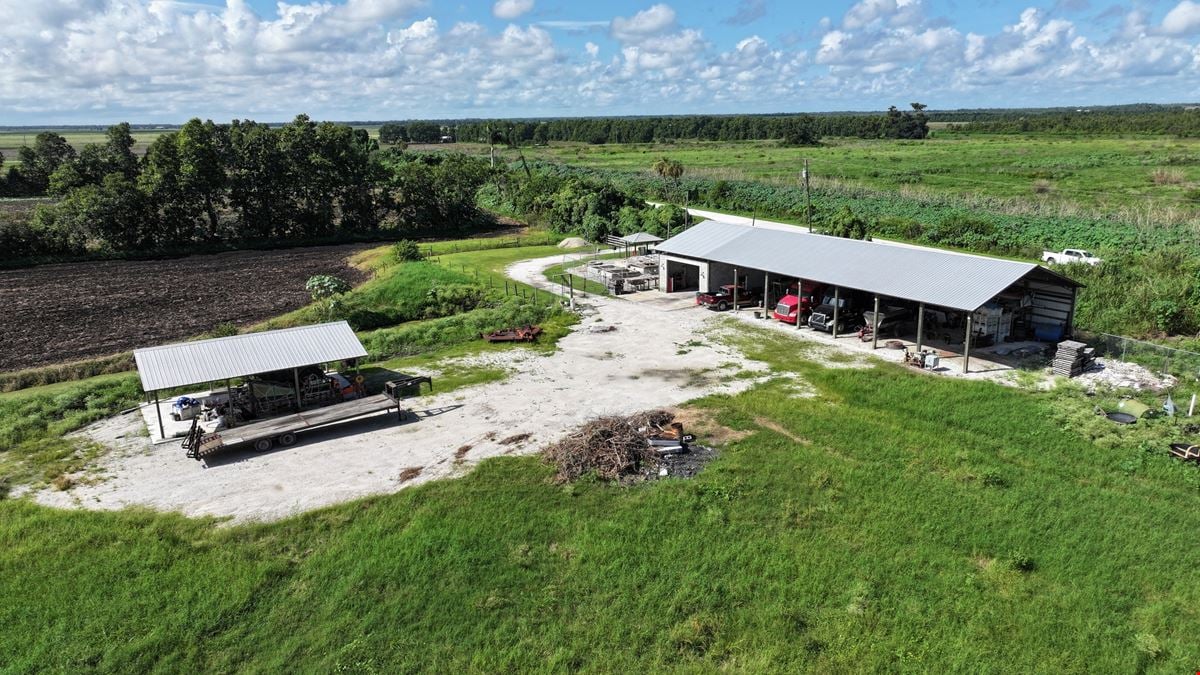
644,24
96,61
511,9
1183,19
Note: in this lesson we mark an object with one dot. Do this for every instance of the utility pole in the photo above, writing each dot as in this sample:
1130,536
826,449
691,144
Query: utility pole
807,197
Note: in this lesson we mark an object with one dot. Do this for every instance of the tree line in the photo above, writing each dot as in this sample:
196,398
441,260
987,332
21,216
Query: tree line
791,129
233,183
1181,122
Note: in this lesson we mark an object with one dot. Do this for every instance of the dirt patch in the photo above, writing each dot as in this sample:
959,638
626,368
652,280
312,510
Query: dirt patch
699,422
460,455
779,429
514,439
76,311
410,473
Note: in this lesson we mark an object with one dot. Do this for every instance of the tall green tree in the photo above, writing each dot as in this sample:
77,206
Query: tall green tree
177,219
393,134
97,160
424,132
258,181
114,212
49,152
201,174
351,169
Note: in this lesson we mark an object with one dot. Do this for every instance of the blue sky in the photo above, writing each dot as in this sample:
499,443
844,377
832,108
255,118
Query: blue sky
100,61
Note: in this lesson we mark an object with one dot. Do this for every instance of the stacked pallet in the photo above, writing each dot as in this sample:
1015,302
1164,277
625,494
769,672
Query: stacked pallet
1073,358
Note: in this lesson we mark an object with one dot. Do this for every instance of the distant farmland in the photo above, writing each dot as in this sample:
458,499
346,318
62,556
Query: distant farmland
1102,172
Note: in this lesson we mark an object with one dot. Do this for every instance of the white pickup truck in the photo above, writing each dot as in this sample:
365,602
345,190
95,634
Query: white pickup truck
1070,255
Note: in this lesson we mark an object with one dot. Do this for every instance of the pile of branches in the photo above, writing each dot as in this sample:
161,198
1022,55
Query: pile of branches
611,447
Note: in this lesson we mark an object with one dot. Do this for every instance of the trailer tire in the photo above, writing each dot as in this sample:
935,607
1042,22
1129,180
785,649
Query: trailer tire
262,445
287,439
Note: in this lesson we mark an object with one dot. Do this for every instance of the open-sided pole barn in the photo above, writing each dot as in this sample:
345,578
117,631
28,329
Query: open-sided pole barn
704,258
223,359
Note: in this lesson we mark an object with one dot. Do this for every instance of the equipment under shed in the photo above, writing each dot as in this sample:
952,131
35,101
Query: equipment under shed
274,384
982,300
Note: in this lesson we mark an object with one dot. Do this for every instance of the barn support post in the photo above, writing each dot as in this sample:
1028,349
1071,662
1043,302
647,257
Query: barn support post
229,404
766,292
837,300
162,434
920,326
967,344
296,381
875,325
735,287
799,300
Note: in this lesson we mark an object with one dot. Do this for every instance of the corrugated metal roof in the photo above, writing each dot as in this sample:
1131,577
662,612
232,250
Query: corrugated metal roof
213,360
641,238
935,277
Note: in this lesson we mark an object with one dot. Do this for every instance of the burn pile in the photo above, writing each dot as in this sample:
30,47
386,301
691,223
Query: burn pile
617,448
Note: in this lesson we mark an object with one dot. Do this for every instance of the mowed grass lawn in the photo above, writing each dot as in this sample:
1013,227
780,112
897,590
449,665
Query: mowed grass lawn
892,521
1103,172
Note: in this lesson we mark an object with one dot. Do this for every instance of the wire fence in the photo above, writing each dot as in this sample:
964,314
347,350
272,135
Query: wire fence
1179,363
434,250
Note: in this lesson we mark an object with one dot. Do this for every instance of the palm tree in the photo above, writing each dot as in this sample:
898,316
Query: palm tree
669,168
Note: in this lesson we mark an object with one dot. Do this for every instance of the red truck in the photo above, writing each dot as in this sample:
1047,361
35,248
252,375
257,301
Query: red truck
799,302
722,299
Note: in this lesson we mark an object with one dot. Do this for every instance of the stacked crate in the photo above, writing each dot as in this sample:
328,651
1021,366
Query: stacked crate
1072,358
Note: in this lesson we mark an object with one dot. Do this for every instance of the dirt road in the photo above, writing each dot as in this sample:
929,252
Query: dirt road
656,355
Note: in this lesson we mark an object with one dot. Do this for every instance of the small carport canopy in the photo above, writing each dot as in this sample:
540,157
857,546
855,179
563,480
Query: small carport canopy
636,241
187,363
641,239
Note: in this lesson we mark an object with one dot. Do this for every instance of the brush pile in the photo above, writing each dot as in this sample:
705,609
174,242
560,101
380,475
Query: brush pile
611,447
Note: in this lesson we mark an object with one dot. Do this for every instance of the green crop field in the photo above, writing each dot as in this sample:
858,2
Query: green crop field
1102,173
11,141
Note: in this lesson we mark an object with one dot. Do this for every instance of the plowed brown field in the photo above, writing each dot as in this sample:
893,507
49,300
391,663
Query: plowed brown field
57,313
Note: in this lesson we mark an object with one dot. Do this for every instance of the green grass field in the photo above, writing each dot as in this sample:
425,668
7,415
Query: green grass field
11,141
894,521
1103,173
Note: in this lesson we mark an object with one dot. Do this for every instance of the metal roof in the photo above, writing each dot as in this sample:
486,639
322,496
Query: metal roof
641,238
185,363
942,278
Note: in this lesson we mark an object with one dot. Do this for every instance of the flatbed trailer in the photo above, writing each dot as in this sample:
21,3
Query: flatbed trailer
262,436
